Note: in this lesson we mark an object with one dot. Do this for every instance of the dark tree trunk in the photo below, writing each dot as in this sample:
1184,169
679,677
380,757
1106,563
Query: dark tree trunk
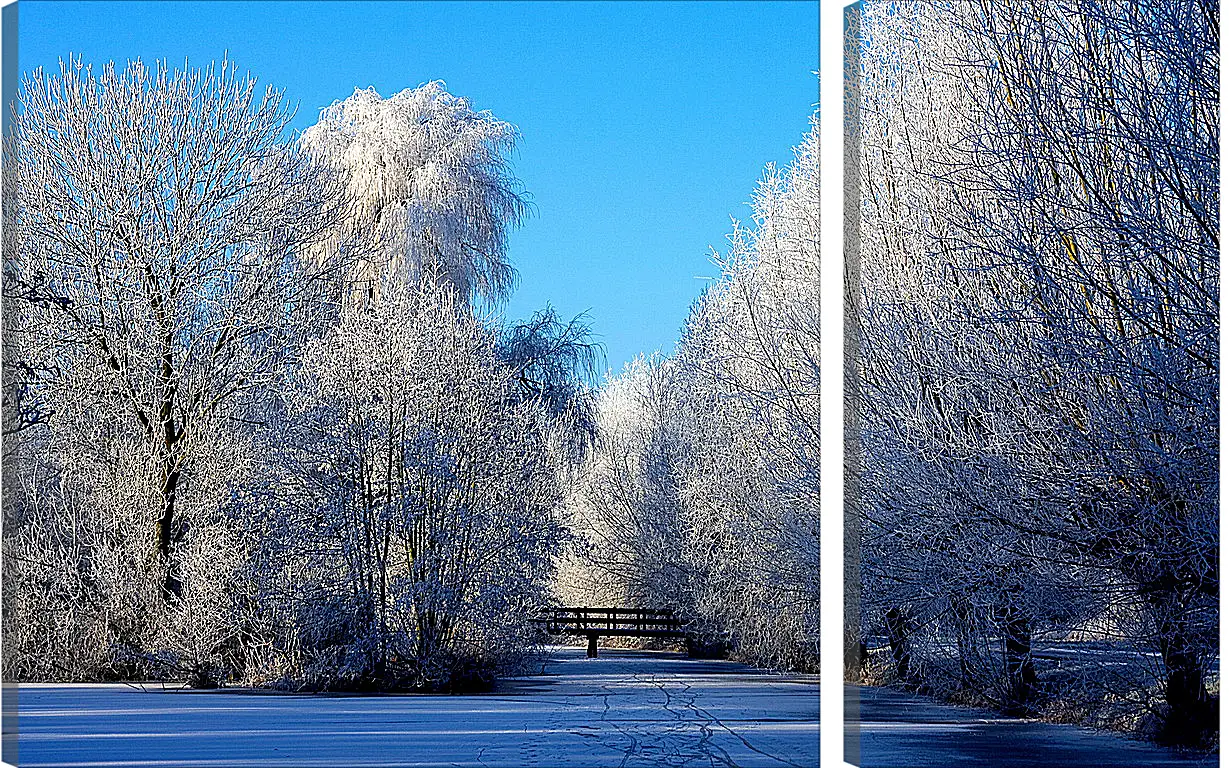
165,528
1176,591
170,438
1192,714
860,655
898,643
1018,659
964,643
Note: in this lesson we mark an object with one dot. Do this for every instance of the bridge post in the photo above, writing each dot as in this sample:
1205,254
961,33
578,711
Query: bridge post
592,650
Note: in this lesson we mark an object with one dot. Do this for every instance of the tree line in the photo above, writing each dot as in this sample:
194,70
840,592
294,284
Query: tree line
1035,481
701,494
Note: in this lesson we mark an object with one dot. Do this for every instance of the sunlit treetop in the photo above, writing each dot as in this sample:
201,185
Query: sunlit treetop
430,178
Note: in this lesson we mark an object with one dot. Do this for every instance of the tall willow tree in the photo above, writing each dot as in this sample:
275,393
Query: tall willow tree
420,450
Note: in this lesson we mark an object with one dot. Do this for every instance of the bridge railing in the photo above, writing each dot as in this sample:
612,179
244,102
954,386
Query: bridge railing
586,620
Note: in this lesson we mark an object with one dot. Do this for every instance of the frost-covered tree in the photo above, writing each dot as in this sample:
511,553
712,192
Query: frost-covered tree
1102,185
161,214
750,359
415,516
1037,302
938,441
555,364
429,183
625,507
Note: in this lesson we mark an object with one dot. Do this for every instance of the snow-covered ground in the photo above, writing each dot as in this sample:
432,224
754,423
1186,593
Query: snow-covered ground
892,729
625,708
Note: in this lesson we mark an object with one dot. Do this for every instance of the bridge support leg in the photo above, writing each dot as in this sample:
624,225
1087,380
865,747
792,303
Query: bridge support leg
592,651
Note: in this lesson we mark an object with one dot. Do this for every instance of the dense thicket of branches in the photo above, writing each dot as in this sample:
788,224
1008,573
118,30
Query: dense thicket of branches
1037,399
256,429
414,525
702,494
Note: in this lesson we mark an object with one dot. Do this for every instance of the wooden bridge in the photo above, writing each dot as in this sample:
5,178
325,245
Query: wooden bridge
610,622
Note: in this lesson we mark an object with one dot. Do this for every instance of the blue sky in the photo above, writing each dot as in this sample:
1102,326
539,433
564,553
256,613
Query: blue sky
645,124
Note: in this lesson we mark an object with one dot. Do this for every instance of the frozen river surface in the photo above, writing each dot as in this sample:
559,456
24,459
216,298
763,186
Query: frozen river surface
899,730
625,708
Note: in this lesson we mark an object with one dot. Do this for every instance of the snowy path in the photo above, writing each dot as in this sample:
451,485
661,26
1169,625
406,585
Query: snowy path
899,730
625,708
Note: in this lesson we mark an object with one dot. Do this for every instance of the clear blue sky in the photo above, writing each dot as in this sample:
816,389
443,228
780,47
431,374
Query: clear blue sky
645,124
